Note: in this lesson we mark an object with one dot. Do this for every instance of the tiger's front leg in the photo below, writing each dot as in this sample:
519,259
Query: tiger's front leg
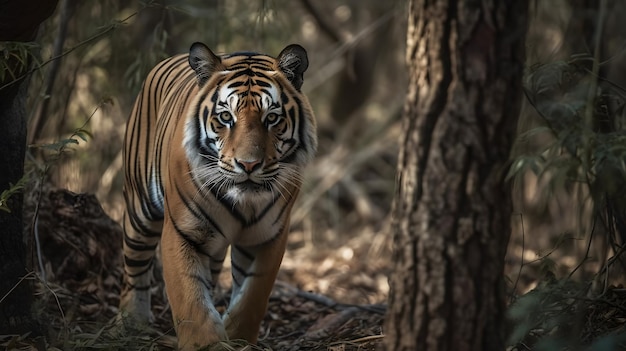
254,271
189,288
141,237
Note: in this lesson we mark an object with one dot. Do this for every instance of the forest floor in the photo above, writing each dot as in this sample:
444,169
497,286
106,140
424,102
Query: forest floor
327,297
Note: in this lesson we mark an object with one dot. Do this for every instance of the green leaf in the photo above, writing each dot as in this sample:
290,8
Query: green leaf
83,134
12,190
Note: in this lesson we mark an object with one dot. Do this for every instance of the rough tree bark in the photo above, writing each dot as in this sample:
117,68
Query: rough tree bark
19,21
452,209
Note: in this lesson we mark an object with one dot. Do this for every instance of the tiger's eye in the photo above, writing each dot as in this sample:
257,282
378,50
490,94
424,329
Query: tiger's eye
271,118
225,117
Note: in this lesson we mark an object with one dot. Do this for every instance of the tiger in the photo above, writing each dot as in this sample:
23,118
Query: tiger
214,154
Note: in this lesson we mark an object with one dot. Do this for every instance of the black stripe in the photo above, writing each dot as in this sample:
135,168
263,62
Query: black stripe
235,281
244,252
137,139
240,270
229,206
142,272
218,260
207,285
235,85
202,214
246,54
140,288
169,74
302,127
291,114
282,210
245,72
273,237
263,212
260,66
169,66
291,151
137,245
136,263
147,209
139,227
257,94
262,83
202,141
205,116
195,245
206,150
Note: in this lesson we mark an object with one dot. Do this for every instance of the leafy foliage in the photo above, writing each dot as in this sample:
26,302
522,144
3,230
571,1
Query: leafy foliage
15,59
586,147
585,116
64,145
12,190
560,315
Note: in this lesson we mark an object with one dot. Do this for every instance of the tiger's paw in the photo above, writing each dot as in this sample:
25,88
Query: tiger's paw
193,336
135,334
135,307
125,325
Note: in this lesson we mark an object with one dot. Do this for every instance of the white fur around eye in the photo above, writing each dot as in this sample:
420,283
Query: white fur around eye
232,101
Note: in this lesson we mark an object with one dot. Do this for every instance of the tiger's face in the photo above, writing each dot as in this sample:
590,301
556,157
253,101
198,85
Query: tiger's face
253,137
251,132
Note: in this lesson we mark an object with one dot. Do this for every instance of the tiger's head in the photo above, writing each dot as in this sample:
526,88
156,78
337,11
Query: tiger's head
251,129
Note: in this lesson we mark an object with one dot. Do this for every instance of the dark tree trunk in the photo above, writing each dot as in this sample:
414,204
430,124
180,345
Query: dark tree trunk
452,208
19,21
13,261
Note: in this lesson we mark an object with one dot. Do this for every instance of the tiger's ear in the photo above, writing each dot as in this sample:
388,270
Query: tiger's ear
293,61
204,62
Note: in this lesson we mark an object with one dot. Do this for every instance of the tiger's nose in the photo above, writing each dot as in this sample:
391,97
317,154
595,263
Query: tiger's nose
249,165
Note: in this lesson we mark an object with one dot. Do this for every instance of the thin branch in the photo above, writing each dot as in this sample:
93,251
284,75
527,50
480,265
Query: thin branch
96,36
593,229
329,28
330,303
15,286
331,65
44,172
608,264
521,265
68,8
593,87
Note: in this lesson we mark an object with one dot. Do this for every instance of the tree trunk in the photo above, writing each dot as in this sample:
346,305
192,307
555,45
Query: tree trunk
452,208
13,308
19,21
